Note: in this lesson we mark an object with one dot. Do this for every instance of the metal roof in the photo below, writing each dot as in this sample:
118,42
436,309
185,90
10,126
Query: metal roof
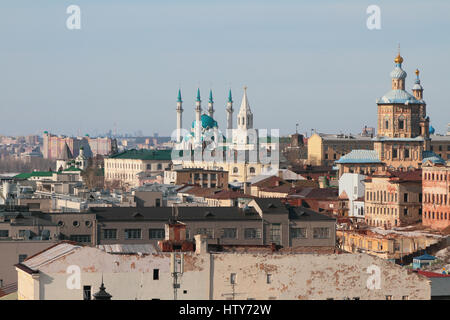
360,156
128,248
398,96
49,254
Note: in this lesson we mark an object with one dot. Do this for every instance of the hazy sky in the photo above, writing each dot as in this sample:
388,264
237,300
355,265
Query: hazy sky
309,62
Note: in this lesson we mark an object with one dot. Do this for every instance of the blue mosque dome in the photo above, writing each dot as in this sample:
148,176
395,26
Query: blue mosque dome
432,130
207,122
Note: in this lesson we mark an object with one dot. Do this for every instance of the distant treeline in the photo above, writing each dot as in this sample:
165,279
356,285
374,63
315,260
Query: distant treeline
11,164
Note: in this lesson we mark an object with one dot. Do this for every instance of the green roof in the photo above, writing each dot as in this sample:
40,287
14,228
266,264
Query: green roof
72,168
143,154
34,174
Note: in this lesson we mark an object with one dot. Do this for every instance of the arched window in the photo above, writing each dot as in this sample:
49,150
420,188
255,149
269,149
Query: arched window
149,167
235,170
252,170
401,122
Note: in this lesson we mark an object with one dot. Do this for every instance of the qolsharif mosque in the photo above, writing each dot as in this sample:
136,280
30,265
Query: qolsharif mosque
240,151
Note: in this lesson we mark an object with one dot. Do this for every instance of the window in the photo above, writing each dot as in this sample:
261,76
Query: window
159,166
252,233
275,233
82,238
76,223
233,278
22,257
298,233
406,153
109,234
4,233
405,197
394,153
405,211
252,170
86,292
158,202
149,167
155,274
229,233
235,170
132,234
389,297
321,233
206,231
405,298
269,278
156,233
401,123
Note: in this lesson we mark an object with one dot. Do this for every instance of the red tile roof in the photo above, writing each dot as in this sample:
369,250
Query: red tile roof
430,274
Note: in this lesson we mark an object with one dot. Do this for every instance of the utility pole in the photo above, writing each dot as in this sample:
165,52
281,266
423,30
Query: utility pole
176,269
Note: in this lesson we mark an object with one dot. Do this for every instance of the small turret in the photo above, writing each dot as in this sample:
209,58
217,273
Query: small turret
398,75
417,88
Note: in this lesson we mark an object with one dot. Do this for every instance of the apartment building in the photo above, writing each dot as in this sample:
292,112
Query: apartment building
393,198
436,195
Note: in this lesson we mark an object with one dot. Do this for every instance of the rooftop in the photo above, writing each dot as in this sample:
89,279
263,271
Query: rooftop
360,156
143,154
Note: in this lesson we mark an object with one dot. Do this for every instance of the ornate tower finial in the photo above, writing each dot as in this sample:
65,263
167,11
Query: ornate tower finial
179,96
398,59
210,96
198,95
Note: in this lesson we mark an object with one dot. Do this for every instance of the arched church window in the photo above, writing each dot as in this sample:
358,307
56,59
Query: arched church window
386,122
252,170
401,122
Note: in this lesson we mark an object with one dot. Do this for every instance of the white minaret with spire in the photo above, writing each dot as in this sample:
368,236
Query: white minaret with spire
211,105
230,112
198,121
245,115
179,116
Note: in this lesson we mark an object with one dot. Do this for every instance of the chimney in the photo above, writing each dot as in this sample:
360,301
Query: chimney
201,244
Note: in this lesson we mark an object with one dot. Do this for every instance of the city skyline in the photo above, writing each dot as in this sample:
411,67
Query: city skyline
300,61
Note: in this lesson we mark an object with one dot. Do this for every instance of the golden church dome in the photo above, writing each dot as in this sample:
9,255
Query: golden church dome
398,59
